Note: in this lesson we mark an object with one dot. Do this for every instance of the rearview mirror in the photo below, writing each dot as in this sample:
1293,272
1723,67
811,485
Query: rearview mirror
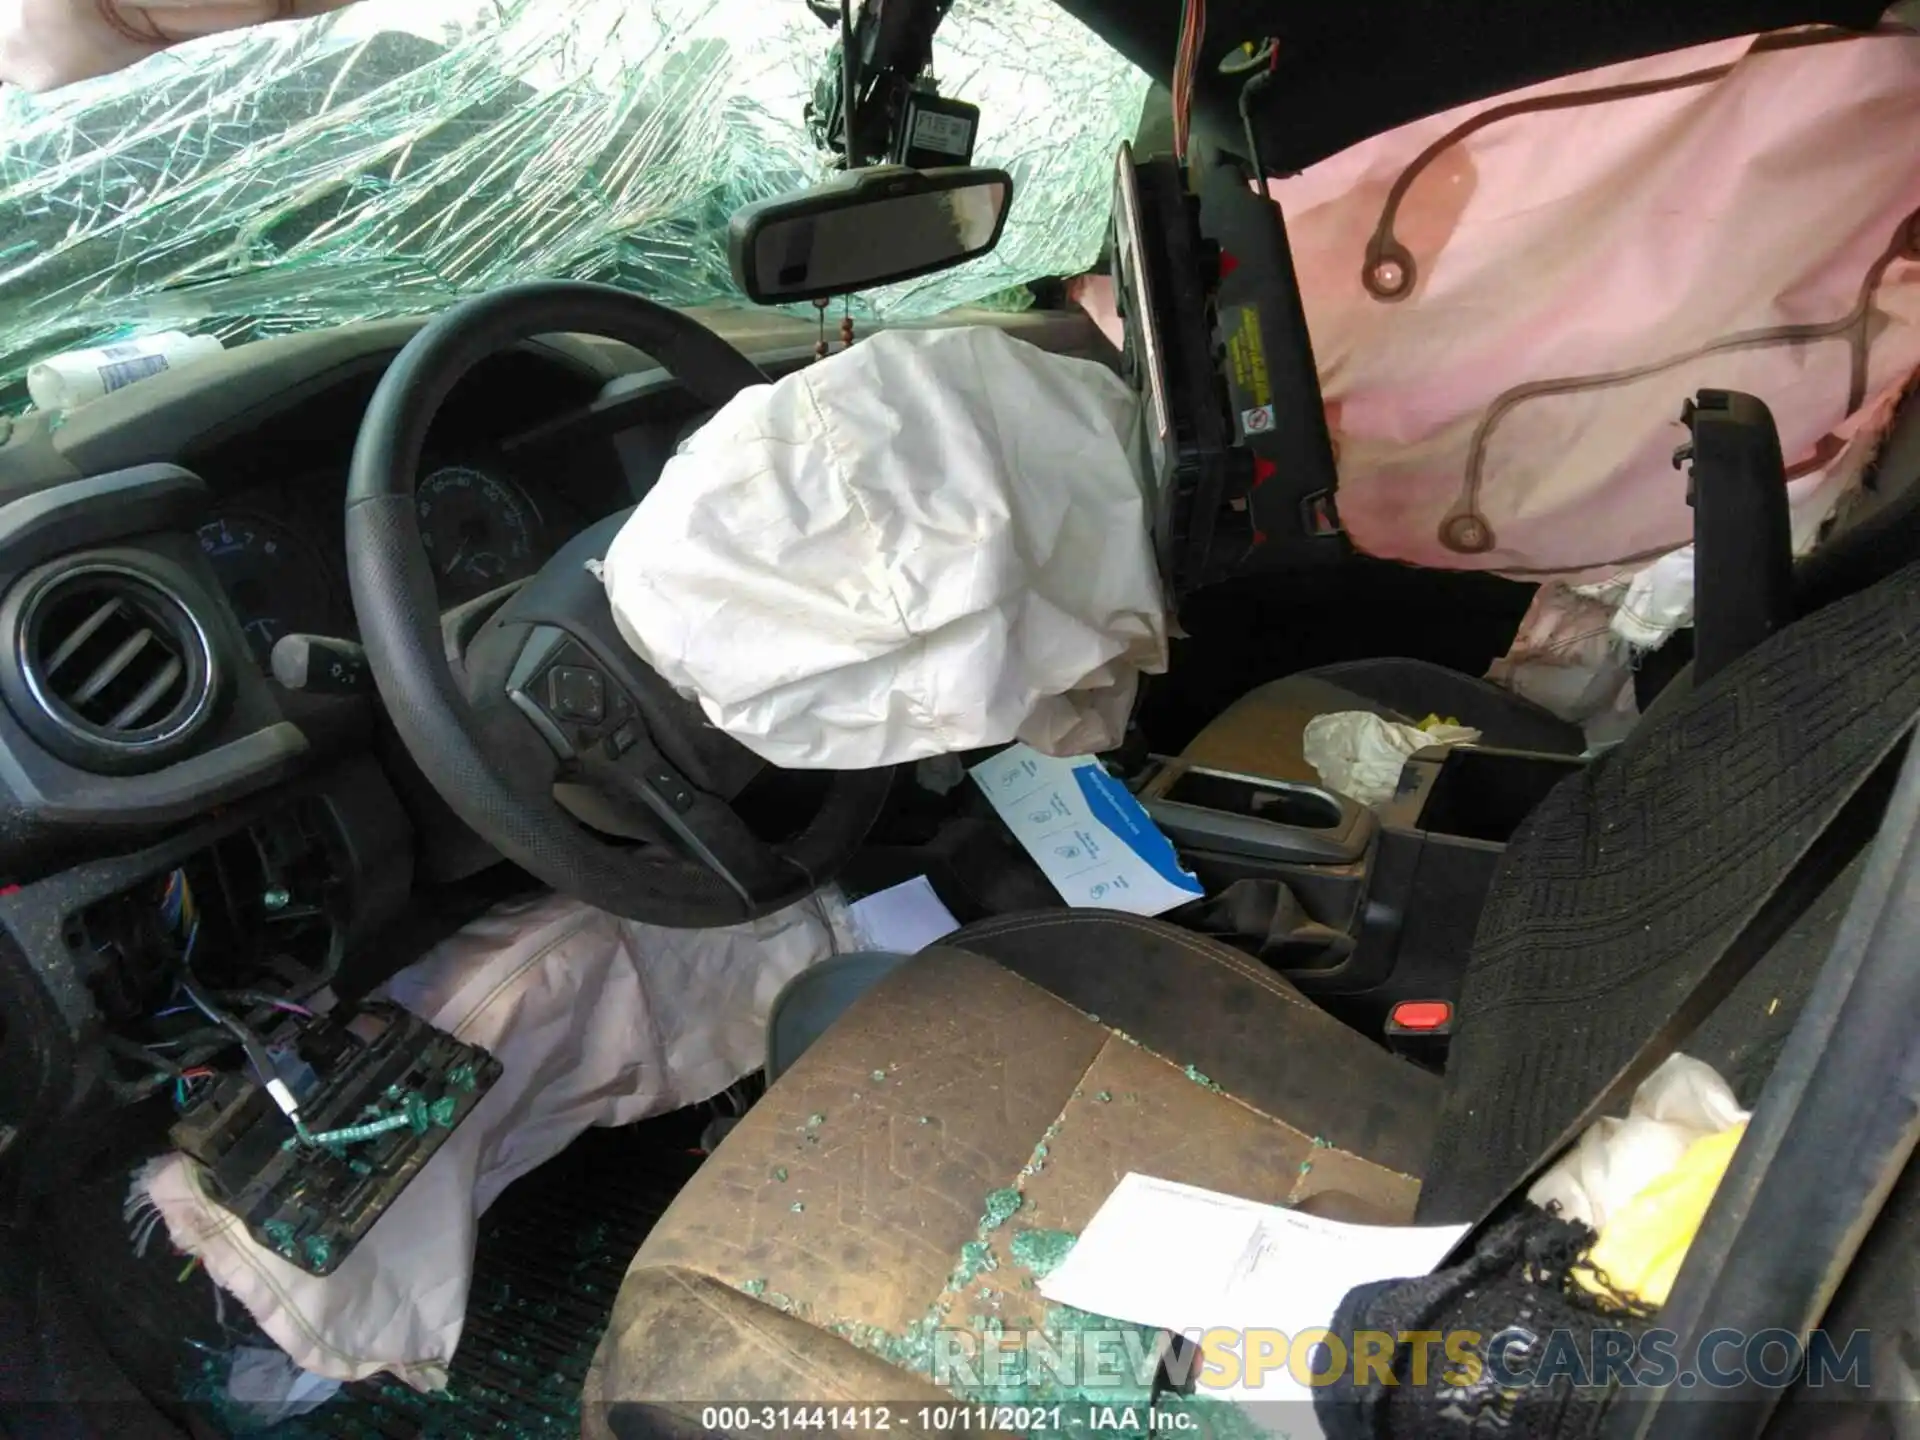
869,227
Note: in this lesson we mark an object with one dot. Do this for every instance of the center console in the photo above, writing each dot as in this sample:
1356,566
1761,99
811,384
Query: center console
1395,893
1363,909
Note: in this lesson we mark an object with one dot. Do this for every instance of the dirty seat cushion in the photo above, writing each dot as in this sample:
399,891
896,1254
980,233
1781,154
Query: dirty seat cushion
947,1134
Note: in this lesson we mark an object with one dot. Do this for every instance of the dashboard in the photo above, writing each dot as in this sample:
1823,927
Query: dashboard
479,526
493,507
181,526
154,544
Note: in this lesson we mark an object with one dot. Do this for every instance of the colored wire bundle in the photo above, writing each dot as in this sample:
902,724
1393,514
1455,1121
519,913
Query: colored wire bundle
177,909
188,1082
178,912
1186,64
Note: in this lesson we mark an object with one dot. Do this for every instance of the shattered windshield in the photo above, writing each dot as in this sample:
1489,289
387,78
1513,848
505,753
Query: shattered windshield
398,154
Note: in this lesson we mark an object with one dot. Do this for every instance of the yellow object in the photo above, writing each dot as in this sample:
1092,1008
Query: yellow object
1434,722
1640,1248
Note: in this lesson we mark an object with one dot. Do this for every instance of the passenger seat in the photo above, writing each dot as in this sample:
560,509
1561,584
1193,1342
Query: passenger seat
1260,734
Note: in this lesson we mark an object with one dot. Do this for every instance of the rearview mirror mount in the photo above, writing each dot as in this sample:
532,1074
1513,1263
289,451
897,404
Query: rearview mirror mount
868,227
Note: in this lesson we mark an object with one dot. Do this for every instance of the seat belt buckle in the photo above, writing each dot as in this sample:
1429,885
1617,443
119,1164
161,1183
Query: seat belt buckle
1421,1031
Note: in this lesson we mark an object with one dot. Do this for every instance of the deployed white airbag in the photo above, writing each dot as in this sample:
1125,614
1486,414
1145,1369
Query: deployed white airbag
595,1021
933,541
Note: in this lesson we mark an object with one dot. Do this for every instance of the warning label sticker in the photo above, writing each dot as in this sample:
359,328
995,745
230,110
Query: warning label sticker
949,134
1256,421
1247,355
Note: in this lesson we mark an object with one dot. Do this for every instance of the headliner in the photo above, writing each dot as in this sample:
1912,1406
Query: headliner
1354,69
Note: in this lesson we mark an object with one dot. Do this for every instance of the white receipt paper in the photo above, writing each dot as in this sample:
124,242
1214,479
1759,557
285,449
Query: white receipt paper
1093,840
906,918
1184,1259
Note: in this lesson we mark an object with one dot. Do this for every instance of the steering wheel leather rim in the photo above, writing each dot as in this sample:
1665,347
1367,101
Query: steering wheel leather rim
458,746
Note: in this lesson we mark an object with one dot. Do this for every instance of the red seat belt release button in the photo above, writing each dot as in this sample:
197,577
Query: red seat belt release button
1421,1017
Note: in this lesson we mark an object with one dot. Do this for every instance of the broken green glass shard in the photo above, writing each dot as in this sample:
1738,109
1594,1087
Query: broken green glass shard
280,1235
1200,1079
1041,1251
1001,1207
388,160
976,1257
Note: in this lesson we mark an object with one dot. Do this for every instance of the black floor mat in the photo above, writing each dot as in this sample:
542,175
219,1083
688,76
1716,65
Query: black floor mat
551,1255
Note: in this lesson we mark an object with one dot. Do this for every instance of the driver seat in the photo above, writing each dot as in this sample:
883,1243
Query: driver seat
826,1236
859,1206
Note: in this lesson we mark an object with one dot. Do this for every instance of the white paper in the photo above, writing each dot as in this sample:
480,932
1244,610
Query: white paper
1092,839
1184,1259
906,918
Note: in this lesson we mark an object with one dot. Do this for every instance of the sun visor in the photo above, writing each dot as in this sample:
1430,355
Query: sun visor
931,542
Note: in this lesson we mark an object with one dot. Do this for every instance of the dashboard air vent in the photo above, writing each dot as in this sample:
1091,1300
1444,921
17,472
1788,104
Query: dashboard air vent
115,661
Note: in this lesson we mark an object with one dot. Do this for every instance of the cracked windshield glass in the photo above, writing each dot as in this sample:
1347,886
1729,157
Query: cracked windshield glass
395,155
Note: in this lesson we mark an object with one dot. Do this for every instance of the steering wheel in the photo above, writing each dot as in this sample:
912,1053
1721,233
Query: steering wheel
546,692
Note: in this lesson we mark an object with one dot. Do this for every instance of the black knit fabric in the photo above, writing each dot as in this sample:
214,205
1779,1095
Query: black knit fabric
1624,884
1513,1291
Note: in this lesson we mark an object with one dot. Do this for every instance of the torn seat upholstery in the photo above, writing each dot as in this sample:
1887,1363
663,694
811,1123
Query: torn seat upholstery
870,1194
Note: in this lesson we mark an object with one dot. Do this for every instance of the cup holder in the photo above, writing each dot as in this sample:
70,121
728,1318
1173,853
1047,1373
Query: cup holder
1220,813
1275,801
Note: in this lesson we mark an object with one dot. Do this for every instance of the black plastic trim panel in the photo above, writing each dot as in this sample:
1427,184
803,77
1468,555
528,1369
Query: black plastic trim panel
43,1076
253,745
94,511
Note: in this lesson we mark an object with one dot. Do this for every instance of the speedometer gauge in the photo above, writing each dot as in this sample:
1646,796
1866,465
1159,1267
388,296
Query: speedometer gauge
480,531
276,582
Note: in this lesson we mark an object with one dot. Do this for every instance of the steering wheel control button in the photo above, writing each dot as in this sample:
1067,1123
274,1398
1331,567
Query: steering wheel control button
577,694
622,740
671,788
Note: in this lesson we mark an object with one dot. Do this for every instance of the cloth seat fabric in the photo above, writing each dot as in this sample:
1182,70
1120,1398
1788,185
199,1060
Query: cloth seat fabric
981,1066
853,1210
